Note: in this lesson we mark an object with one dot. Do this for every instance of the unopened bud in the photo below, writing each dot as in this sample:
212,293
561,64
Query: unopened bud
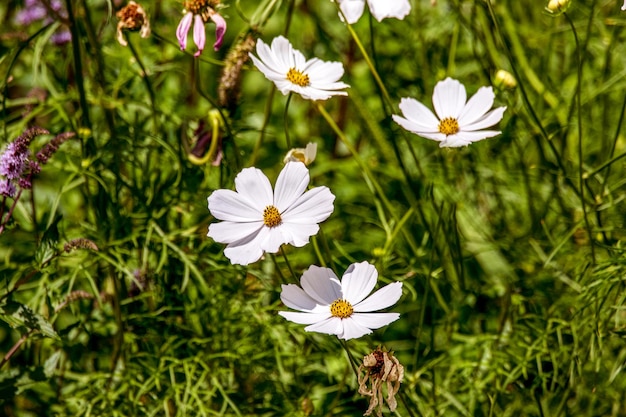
504,80
305,155
558,6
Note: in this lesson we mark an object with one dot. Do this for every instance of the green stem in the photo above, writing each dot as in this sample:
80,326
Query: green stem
581,179
286,120
291,271
368,174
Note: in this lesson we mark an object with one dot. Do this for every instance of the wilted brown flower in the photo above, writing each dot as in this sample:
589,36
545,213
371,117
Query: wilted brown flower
134,18
380,367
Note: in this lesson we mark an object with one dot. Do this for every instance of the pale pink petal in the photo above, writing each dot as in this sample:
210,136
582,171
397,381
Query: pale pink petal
199,36
220,30
183,29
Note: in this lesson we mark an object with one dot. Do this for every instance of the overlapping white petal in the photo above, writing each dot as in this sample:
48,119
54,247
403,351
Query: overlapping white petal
276,60
380,9
320,288
241,212
450,101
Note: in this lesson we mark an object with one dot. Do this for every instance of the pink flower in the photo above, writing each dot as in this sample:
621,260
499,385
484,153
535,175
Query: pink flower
200,11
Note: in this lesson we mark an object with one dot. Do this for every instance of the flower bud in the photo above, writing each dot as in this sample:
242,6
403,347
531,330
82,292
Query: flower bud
558,6
304,155
504,80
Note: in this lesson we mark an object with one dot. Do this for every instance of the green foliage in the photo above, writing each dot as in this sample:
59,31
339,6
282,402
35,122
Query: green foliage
511,251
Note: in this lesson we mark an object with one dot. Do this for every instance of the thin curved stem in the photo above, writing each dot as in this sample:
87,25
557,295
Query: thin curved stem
581,179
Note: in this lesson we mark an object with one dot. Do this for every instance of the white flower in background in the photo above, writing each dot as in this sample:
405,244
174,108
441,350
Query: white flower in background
306,155
458,123
624,6
380,9
256,219
290,71
340,308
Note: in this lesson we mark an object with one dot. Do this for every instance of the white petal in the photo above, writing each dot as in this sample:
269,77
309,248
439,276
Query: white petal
297,234
312,93
352,329
382,9
252,184
243,254
477,106
358,281
383,298
231,206
323,73
270,73
419,115
291,184
321,284
314,206
374,320
449,98
487,120
305,318
331,325
230,232
352,9
414,128
272,240
283,51
466,138
294,297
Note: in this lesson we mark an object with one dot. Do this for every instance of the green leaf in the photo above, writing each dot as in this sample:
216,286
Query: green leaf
24,319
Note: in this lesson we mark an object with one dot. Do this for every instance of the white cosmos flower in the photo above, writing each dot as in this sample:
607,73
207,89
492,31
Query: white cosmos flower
457,123
257,219
313,79
380,9
340,308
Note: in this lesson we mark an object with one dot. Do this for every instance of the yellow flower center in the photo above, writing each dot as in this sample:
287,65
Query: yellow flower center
297,77
271,216
341,308
449,126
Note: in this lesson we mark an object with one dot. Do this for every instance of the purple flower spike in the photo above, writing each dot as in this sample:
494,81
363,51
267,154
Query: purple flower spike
220,30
